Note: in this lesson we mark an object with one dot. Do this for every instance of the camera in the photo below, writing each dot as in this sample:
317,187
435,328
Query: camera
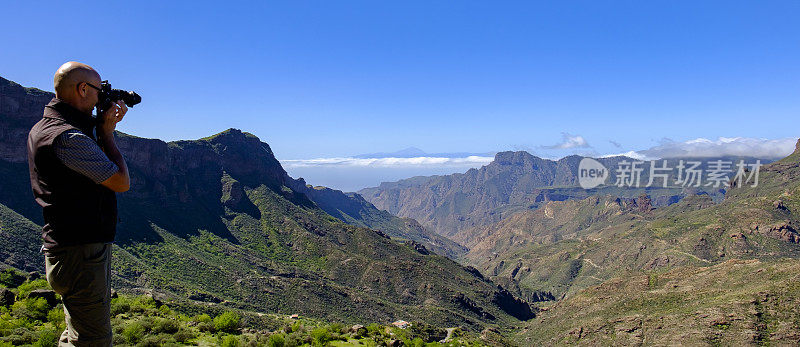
107,95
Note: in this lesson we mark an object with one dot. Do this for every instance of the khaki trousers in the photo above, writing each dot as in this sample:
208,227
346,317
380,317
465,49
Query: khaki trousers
81,275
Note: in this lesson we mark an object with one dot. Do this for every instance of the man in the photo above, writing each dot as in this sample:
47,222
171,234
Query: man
76,170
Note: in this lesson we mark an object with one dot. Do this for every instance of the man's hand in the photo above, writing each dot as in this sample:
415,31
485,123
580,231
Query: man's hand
120,181
111,117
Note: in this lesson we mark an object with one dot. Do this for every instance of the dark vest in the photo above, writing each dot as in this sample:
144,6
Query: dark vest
76,210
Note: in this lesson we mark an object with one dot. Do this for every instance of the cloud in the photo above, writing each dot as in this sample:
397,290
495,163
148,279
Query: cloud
629,154
569,141
615,143
413,152
391,162
723,146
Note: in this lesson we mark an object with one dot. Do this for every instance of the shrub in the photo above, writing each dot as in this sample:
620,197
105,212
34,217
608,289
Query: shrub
156,341
31,309
652,281
204,323
47,338
9,322
26,288
297,327
21,336
143,304
183,335
148,323
165,325
11,278
337,328
457,332
230,341
276,340
56,316
119,305
320,336
417,342
227,322
203,318
375,329
134,332
165,310
296,339
426,332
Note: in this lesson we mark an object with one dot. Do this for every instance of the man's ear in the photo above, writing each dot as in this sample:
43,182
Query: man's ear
81,89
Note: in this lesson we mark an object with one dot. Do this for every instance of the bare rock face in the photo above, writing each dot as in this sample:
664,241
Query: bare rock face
6,297
358,330
783,231
20,109
514,306
48,295
469,304
418,247
644,203
168,169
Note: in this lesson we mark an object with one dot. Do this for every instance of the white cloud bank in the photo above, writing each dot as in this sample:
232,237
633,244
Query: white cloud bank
470,161
354,173
569,141
723,146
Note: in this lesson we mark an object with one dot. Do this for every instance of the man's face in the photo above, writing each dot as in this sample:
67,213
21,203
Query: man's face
90,95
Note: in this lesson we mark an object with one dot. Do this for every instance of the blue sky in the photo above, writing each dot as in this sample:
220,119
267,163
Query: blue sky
335,79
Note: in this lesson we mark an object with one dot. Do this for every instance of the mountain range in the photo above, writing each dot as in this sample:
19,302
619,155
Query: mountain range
514,182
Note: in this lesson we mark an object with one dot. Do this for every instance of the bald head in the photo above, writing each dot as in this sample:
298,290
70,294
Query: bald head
67,83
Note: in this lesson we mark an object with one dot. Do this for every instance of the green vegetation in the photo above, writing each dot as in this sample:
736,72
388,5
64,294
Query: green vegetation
227,322
143,321
29,321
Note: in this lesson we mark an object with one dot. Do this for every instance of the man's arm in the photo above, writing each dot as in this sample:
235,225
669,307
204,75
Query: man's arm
120,181
83,155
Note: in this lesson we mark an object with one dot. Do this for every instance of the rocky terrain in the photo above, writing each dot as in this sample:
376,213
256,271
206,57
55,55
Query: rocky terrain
735,302
513,182
611,270
565,246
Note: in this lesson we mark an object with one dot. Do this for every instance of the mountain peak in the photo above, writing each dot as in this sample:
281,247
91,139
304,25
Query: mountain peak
230,133
509,157
411,151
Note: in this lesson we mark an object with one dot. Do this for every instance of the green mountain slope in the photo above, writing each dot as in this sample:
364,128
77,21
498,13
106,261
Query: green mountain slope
351,208
20,241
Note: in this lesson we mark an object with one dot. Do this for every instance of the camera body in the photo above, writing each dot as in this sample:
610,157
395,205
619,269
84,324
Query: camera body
107,95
